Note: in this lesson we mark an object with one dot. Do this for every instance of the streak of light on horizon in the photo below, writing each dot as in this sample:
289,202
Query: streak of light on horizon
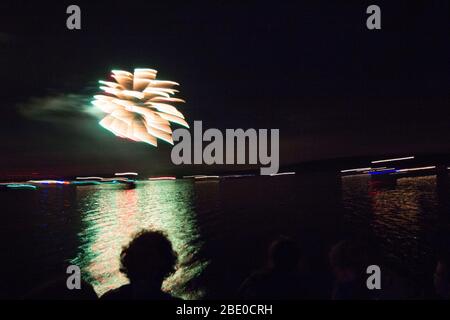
161,178
49,181
282,174
126,174
89,178
356,170
393,159
416,169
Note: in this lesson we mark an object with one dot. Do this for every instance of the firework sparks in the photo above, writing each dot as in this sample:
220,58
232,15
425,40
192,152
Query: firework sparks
139,107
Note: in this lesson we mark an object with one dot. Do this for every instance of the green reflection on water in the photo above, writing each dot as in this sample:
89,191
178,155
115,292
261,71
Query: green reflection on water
111,216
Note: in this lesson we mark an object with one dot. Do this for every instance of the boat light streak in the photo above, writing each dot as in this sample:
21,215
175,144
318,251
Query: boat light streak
393,159
126,174
381,169
282,174
201,176
20,186
355,170
416,169
206,177
49,181
238,176
86,182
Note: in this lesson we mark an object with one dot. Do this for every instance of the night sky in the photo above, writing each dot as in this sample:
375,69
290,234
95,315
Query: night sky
310,68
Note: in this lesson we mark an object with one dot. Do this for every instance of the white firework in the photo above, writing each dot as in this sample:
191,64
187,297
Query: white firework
139,107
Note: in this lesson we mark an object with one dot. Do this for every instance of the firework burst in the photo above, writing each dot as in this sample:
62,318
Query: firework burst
139,107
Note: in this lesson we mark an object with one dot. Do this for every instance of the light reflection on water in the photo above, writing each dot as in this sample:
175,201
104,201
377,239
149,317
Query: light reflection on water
403,217
111,217
220,230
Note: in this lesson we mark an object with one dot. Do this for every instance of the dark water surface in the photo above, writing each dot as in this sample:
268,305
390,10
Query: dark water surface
220,229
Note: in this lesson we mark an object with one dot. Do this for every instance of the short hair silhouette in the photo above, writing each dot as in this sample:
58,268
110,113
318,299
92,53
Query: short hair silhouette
148,257
350,254
284,253
281,279
442,275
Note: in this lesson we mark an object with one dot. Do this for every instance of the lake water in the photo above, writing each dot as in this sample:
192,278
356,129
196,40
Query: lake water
220,229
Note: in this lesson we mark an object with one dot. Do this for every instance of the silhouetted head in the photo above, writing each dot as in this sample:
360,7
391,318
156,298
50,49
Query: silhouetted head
442,276
284,254
348,259
149,258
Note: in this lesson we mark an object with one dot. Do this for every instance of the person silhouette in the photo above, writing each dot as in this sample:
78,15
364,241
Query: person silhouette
348,260
281,279
442,277
146,261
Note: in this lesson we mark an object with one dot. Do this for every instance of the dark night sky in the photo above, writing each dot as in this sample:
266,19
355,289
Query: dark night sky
310,68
